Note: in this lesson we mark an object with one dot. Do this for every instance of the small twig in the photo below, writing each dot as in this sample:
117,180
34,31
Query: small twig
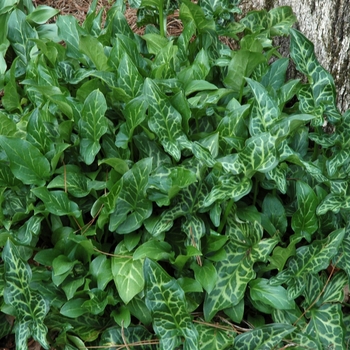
320,294
114,255
123,337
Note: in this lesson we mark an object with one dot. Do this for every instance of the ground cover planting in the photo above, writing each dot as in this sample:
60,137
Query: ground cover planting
163,191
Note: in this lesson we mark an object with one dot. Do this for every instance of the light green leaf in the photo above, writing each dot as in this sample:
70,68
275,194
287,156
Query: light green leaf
92,125
155,250
191,12
333,202
275,296
92,48
166,300
309,259
42,14
26,162
127,274
206,275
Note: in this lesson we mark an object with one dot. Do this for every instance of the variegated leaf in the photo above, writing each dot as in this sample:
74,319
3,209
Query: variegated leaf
310,259
116,336
259,153
165,121
229,186
333,202
92,125
132,205
129,78
127,273
265,337
211,338
235,271
304,220
337,160
166,300
322,83
326,326
265,111
30,307
187,202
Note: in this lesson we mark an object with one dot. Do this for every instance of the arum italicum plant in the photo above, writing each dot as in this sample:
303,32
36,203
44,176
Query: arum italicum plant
166,192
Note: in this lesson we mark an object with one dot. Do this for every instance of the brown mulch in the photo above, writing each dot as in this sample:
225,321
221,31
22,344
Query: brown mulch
79,9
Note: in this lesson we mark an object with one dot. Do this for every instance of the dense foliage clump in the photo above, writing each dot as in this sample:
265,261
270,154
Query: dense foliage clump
162,192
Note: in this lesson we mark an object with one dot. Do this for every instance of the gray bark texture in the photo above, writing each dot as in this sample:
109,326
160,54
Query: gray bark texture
326,23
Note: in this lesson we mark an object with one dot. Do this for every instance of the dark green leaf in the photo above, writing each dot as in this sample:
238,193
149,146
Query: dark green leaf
26,161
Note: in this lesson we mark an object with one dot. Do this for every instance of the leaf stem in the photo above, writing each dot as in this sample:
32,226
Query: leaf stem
162,24
226,214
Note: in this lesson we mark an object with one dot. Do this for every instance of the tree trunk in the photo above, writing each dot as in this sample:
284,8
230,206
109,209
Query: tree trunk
326,23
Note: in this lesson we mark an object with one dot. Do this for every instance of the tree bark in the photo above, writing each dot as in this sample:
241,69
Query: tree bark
326,23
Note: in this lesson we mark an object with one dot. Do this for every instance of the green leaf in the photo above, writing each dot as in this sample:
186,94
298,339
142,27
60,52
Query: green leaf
280,20
68,31
132,206
92,48
164,120
92,125
26,162
57,202
129,78
166,300
127,274
274,209
229,186
211,338
304,220
73,308
129,335
42,14
30,307
309,259
155,250
265,337
19,33
100,269
242,66
322,83
265,111
206,275
11,99
326,326
259,153
193,12
236,270
333,202
275,296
